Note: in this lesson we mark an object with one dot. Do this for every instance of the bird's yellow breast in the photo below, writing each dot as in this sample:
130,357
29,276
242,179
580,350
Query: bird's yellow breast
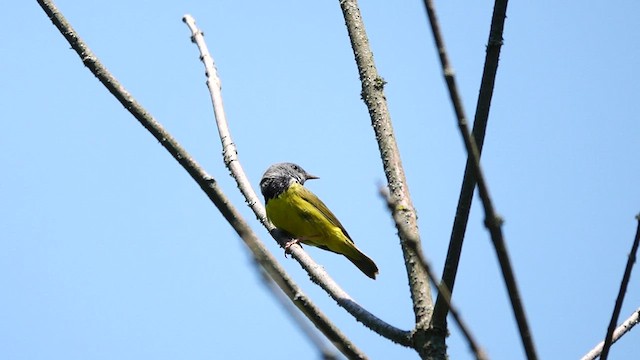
297,212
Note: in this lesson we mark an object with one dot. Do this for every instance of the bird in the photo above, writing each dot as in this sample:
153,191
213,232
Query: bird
301,215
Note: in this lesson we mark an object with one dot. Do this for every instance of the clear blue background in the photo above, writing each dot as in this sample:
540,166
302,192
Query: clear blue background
108,250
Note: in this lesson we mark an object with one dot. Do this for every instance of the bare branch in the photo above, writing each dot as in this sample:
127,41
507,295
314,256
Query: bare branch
469,180
316,272
374,98
326,352
626,326
621,294
492,221
443,292
320,277
229,150
204,180
302,301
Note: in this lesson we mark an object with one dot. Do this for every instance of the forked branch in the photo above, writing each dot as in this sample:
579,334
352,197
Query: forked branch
443,292
374,99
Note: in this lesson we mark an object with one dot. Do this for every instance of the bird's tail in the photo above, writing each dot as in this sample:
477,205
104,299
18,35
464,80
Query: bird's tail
363,262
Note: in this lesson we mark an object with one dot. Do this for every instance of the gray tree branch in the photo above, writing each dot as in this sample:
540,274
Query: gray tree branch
374,99
492,221
465,199
443,292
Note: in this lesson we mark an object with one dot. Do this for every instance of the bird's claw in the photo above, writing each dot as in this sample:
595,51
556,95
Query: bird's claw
287,246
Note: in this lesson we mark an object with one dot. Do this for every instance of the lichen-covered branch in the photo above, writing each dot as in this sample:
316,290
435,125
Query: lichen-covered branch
374,98
443,292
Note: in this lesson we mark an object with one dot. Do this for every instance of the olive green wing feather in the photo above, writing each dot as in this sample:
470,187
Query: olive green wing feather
351,252
314,201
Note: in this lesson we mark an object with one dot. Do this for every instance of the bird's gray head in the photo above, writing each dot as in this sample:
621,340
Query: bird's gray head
279,177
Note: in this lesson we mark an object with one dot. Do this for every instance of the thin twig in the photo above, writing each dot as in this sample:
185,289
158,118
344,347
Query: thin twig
204,180
316,272
626,326
621,293
443,292
229,149
374,98
492,221
480,122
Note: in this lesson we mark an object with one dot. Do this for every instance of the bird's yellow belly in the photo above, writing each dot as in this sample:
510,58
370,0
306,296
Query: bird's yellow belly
291,213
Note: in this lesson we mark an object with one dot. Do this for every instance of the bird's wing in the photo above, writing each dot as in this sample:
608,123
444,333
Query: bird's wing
313,200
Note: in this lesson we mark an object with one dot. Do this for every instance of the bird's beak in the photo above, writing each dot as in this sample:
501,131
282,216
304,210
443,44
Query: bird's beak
311,177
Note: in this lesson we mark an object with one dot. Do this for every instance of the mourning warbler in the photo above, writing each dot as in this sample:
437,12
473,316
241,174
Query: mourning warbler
294,209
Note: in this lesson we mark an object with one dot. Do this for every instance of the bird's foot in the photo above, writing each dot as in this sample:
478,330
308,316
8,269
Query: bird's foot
287,246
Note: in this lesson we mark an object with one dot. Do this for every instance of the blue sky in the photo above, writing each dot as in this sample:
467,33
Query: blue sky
110,251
